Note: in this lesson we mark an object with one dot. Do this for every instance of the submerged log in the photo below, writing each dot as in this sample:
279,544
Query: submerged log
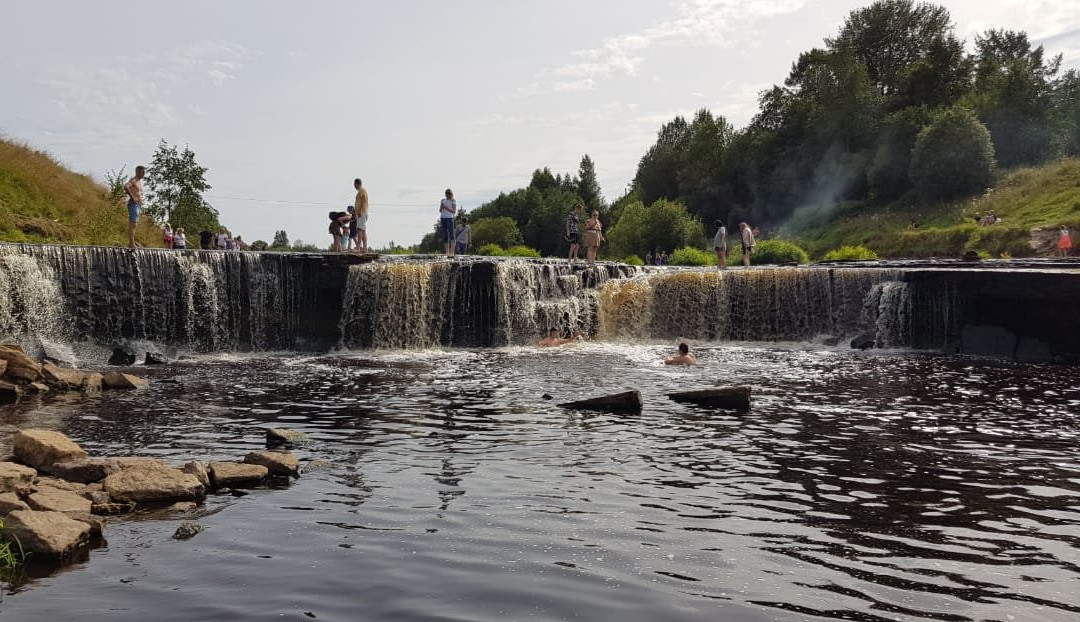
734,398
628,402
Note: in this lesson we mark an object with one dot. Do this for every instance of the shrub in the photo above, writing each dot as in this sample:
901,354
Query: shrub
633,260
501,231
690,256
770,252
522,251
491,250
953,156
850,253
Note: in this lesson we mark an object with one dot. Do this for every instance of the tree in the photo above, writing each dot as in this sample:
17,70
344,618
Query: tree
175,183
888,172
281,240
664,225
588,188
501,230
953,156
114,183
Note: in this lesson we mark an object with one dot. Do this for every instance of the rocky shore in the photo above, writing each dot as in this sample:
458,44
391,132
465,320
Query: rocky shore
21,375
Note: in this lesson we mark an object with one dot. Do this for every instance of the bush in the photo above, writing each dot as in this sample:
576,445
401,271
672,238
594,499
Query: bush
501,231
633,260
953,156
850,253
770,252
522,251
690,256
491,250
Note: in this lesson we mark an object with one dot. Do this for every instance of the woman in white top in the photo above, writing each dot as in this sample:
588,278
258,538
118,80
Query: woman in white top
179,239
447,211
720,244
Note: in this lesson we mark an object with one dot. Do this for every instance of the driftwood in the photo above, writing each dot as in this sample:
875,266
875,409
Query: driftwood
734,398
628,402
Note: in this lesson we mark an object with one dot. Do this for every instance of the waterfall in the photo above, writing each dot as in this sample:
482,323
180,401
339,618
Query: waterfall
887,313
32,306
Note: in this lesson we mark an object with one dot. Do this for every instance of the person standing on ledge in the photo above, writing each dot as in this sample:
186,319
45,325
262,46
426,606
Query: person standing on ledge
463,236
1064,244
720,244
593,237
683,357
133,188
447,211
360,216
573,231
205,239
747,243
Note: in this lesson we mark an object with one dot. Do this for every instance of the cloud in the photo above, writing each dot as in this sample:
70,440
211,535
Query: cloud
715,23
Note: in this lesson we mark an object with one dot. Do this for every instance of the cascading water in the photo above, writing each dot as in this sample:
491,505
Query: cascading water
887,310
32,306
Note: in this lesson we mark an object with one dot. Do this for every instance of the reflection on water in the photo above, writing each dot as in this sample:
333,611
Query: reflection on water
885,486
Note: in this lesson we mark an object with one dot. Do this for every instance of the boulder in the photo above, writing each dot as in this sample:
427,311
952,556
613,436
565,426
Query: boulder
186,530
627,402
56,483
155,358
284,436
122,356
10,390
53,500
9,502
92,382
863,342
198,469
16,477
84,471
276,462
45,534
62,378
19,365
97,496
118,380
115,465
150,483
96,523
732,398
228,474
38,448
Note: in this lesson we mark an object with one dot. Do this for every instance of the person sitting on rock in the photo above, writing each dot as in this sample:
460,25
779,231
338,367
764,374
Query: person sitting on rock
553,338
683,357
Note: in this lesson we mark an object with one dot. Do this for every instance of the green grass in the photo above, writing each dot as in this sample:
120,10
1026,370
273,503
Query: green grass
1023,198
12,554
41,201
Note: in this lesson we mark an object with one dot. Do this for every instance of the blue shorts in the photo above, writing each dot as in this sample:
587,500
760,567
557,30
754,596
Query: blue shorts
460,248
447,225
133,211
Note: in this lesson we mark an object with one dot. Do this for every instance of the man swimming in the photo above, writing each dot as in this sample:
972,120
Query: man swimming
682,358
553,339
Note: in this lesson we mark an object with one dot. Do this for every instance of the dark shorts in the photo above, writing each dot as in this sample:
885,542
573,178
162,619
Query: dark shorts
447,225
352,228
460,248
335,229
574,238
746,249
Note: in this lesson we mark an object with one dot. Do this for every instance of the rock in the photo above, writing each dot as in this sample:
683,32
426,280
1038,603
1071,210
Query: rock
83,471
122,356
96,524
45,534
19,365
229,474
9,502
3,366
186,530
52,500
16,477
58,354
151,482
97,496
317,465
38,448
37,387
627,402
733,398
118,380
198,469
284,436
182,506
111,508
863,342
276,462
10,390
546,396
155,358
56,483
115,465
92,382
68,379
94,487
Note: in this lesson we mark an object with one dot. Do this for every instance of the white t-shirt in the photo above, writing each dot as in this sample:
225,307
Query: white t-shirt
720,241
463,234
447,208
179,239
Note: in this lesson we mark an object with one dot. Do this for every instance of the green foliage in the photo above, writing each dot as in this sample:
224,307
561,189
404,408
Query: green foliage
588,188
500,230
281,239
850,253
299,246
12,554
491,250
633,260
663,225
175,185
768,252
522,251
953,156
690,256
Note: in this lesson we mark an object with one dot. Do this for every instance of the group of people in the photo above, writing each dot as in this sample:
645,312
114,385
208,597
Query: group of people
349,228
720,243
594,233
659,258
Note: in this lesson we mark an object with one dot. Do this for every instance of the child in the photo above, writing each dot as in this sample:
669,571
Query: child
1064,244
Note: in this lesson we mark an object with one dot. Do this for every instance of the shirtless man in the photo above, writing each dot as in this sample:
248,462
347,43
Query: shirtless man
360,214
682,358
133,188
553,339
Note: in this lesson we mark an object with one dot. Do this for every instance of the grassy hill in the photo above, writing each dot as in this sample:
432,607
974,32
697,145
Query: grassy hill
1025,199
41,201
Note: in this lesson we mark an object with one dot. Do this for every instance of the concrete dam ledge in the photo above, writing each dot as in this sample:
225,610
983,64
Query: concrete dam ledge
251,301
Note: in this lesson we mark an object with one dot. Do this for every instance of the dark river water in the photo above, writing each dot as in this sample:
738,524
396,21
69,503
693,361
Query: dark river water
861,486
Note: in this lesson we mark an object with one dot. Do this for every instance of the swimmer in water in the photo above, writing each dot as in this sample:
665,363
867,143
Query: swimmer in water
682,358
553,339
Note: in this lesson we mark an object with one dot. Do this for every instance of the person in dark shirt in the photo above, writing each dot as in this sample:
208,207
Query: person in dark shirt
205,237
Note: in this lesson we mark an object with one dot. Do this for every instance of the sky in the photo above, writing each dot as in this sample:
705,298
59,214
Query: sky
287,102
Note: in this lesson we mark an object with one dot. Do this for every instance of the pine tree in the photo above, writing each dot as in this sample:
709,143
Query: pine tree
588,188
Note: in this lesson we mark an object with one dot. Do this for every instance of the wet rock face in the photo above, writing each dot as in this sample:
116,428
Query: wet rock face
153,483
229,474
42,448
19,365
44,533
